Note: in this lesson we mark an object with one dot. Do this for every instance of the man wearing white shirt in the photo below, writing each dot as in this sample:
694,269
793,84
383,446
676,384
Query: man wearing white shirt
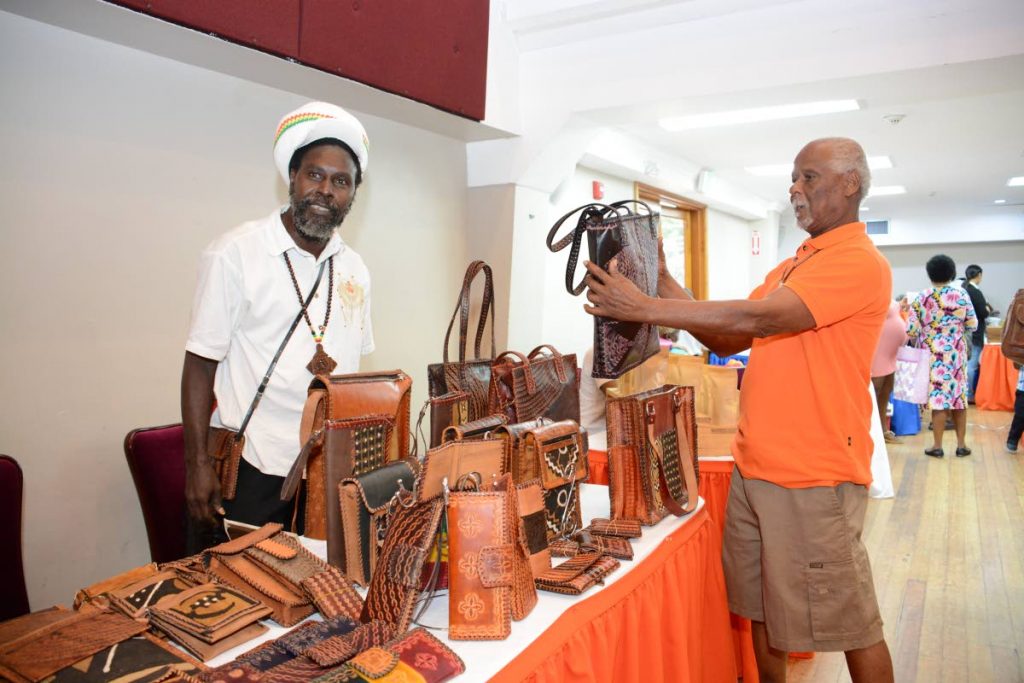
251,286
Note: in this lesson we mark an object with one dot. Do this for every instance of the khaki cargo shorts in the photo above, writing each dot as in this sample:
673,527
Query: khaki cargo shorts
794,559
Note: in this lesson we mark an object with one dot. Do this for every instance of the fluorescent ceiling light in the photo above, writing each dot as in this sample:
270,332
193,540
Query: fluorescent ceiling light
737,116
864,208
1015,181
886,190
874,163
999,201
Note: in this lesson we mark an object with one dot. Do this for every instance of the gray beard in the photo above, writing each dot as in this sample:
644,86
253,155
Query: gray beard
319,229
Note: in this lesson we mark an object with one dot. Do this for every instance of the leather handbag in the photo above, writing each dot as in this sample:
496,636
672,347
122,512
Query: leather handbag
555,454
652,454
209,619
471,376
481,460
447,411
577,574
245,564
1013,329
351,424
395,585
364,502
631,238
544,383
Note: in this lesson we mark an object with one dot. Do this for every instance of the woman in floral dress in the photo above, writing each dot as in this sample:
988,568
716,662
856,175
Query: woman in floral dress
941,319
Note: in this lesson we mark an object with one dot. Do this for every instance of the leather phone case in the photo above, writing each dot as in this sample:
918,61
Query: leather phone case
363,503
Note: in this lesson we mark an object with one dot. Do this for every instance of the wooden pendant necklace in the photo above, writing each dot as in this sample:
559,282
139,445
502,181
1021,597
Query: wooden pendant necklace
321,363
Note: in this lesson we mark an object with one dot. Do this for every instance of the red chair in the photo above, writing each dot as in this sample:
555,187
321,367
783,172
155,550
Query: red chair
156,457
13,596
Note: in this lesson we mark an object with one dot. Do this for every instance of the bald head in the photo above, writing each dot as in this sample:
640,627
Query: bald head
830,178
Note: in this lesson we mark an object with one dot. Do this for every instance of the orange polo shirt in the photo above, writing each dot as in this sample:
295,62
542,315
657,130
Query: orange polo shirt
805,410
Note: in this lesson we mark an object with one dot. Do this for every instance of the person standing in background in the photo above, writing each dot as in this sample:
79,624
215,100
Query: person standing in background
941,316
981,309
1017,426
883,366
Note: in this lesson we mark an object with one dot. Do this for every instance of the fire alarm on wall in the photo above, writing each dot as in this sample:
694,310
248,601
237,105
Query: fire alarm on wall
598,189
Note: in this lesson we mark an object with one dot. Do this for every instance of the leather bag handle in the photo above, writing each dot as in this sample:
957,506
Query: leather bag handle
689,475
523,362
462,306
589,213
559,365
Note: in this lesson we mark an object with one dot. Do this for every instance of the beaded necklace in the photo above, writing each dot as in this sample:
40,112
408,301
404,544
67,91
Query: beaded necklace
321,363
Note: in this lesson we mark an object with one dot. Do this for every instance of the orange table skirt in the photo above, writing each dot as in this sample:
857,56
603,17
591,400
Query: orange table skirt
997,380
666,621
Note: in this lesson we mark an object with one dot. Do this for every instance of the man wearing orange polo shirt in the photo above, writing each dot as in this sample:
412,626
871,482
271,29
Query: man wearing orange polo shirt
794,561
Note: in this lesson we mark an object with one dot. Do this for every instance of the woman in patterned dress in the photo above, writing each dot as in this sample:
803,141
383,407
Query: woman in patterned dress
942,318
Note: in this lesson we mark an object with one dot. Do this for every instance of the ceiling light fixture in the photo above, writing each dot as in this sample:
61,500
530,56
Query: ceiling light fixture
769,170
999,201
1016,181
887,190
864,208
738,116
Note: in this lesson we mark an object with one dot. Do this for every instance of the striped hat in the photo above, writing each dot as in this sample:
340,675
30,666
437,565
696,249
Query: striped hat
315,121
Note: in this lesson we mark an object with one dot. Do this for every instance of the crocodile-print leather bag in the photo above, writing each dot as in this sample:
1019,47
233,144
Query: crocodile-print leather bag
471,376
364,504
351,424
652,454
544,383
615,232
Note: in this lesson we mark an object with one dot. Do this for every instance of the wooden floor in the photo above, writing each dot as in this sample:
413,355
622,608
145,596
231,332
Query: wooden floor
948,560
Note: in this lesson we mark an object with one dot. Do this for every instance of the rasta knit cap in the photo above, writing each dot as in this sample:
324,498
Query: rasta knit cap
316,121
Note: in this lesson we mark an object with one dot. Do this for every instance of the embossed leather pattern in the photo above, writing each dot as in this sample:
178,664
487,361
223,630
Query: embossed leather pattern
544,383
652,454
576,575
479,594
396,582
431,658
363,502
616,232
286,557
135,599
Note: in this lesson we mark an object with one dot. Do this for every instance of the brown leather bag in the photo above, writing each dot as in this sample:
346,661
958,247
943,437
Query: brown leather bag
652,454
1013,329
351,424
467,375
543,384
474,430
577,574
447,411
209,619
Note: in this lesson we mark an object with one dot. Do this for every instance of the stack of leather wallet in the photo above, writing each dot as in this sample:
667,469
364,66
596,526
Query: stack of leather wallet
578,574
209,619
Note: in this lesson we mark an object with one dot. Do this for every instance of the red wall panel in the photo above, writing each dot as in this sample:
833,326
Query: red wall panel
433,52
268,25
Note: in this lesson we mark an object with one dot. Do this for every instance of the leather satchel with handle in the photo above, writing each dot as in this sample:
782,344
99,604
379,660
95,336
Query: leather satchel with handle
652,454
351,424
615,232
1013,329
544,383
471,376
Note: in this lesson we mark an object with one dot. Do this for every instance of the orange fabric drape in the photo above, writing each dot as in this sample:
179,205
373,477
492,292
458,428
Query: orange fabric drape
715,476
666,621
997,380
598,467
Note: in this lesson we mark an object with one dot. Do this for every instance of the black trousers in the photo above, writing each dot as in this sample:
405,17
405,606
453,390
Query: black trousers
257,501
1017,426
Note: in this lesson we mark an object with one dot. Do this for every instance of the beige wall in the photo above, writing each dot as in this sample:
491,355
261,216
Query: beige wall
120,167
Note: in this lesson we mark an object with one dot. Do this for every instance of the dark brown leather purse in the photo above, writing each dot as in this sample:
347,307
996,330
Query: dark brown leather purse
652,454
1013,329
544,383
471,376
615,232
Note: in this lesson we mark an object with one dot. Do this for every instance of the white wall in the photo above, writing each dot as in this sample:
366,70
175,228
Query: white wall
1003,266
997,224
121,166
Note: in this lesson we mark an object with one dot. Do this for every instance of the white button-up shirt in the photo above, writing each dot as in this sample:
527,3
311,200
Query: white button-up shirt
244,303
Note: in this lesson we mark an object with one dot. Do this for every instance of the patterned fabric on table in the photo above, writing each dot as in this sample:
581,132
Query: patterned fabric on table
943,318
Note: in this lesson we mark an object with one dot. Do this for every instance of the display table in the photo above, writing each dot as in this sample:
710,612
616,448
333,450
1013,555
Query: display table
997,380
662,617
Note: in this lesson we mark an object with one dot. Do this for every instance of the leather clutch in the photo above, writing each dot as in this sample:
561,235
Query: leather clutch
576,575
230,563
133,600
363,503
209,619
